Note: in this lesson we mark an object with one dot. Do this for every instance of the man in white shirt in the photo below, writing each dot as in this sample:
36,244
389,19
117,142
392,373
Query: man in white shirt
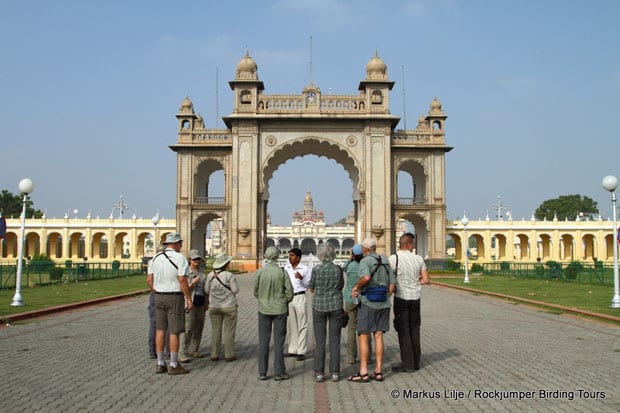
297,324
411,273
172,298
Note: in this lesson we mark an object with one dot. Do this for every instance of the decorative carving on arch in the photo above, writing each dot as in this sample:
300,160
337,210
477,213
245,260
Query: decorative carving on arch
210,164
271,140
401,162
352,140
208,215
312,145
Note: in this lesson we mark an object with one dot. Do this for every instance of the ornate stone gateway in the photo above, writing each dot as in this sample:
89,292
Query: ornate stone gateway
357,131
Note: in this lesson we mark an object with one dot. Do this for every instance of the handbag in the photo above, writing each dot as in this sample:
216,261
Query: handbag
199,299
344,319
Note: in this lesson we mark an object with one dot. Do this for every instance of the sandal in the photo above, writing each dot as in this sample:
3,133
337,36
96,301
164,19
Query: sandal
377,375
360,378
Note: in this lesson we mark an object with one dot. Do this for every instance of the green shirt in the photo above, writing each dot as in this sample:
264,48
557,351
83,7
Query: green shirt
382,276
351,268
273,289
327,283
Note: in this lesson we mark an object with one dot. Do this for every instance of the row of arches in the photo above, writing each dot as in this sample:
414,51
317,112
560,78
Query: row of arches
97,246
309,245
540,246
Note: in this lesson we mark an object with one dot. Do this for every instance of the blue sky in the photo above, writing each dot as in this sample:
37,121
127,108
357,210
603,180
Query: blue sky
89,93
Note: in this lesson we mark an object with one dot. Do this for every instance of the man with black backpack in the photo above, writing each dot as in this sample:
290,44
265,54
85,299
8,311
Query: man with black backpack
376,283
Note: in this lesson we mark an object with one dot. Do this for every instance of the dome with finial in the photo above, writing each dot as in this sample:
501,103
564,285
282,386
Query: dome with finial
376,69
435,107
246,68
187,106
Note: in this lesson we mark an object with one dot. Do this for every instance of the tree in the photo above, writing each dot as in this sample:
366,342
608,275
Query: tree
11,206
567,206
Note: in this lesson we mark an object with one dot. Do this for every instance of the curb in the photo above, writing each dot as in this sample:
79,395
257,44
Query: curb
534,302
8,319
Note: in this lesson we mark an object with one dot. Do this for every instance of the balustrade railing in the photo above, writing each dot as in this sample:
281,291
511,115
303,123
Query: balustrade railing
418,200
210,200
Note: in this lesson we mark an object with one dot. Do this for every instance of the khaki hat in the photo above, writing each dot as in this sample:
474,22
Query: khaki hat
193,254
172,238
221,260
369,243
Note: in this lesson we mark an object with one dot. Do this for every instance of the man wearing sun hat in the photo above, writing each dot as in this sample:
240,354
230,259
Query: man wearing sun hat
172,298
273,291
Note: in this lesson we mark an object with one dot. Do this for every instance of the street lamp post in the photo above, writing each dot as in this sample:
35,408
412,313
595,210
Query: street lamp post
465,221
610,183
155,221
26,186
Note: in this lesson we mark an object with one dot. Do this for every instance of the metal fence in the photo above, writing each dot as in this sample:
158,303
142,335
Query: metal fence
33,275
587,273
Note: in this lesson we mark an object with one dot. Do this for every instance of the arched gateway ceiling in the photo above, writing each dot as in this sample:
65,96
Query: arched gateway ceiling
311,146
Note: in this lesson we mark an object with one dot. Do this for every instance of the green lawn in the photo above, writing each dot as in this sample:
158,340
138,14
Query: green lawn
594,298
58,294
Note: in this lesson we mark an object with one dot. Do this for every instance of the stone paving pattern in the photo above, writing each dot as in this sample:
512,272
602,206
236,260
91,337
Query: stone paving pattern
474,347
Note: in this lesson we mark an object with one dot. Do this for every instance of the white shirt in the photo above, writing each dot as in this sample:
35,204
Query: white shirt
408,286
164,274
298,285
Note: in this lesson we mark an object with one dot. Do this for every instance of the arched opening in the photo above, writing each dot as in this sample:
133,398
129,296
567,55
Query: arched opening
308,246
32,244
76,245
284,245
54,245
477,247
588,247
210,180
411,184
303,170
99,247
521,247
414,223
141,249
499,244
609,247
567,249
209,236
121,249
543,247
9,245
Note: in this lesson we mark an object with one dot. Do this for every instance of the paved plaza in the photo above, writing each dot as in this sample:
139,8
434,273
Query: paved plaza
479,354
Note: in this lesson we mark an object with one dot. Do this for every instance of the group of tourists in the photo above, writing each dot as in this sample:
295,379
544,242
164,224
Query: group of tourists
181,294
357,296
364,288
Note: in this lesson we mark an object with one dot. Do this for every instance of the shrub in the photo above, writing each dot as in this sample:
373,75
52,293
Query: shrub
68,264
452,265
504,266
573,269
553,269
476,267
41,263
56,274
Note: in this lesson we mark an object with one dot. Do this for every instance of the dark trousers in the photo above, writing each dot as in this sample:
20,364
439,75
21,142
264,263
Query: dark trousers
407,323
265,324
320,320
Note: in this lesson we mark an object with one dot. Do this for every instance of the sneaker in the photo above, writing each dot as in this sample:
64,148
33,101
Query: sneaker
262,377
195,354
229,359
215,359
318,377
280,377
335,377
161,369
173,371
153,356
185,359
